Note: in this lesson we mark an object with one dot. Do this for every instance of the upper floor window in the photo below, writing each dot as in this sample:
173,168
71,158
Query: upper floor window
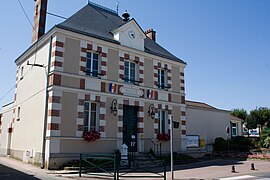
162,78
130,72
163,121
92,64
22,68
18,113
91,116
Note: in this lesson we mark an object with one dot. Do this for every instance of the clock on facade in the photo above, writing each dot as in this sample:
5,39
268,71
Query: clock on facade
131,34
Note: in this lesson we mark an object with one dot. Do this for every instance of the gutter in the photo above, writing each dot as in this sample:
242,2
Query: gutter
46,109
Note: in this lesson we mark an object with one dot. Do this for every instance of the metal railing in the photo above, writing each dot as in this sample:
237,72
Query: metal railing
112,166
157,147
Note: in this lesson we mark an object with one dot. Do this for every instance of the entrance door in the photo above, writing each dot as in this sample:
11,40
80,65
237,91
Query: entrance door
130,128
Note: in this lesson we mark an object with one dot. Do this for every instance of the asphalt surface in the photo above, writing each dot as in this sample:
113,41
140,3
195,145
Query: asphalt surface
212,169
7,173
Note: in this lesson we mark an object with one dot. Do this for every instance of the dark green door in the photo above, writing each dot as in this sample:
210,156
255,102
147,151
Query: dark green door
130,127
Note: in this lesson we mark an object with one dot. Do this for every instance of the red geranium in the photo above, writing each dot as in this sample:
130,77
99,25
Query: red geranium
91,135
163,136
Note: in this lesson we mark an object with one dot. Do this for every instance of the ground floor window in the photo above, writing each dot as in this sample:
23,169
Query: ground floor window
163,121
91,116
234,129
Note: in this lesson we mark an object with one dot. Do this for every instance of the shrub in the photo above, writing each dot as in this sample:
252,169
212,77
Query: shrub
220,144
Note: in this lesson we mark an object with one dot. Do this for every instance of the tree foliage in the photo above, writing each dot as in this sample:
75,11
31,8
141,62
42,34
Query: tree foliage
240,113
261,115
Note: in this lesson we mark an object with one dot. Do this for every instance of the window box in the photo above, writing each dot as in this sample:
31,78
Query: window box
91,135
163,136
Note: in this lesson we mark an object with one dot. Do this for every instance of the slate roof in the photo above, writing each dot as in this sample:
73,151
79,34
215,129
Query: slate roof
98,22
202,105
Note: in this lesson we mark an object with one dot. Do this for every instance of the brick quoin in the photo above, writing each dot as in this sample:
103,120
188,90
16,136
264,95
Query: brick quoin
53,126
184,131
104,55
54,99
58,43
89,47
84,50
183,101
183,122
126,56
103,86
53,112
99,49
80,128
55,79
82,83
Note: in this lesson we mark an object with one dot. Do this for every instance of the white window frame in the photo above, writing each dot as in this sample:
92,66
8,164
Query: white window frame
18,113
87,127
136,72
160,118
89,71
160,86
22,68
234,128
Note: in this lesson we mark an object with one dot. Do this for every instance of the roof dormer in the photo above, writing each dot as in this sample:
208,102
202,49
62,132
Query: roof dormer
130,34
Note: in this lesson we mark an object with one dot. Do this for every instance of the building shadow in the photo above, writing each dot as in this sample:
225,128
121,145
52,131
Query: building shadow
7,173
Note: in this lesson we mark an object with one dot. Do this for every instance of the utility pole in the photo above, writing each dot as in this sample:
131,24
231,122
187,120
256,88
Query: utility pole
171,144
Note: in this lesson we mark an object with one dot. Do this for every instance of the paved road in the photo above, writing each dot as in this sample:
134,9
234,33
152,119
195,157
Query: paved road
213,169
260,176
11,169
7,173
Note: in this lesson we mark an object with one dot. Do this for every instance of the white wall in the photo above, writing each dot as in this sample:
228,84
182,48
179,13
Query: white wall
5,137
207,124
28,130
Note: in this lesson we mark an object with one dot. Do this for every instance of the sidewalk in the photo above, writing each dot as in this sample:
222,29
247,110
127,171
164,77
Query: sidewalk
215,169
212,169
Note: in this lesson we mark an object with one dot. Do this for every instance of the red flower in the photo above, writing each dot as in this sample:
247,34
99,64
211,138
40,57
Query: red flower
91,135
163,136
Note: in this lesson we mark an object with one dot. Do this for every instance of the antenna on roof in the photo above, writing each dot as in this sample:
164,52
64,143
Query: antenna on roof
117,6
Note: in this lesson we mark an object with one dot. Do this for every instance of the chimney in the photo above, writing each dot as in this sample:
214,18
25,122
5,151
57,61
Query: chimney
151,34
39,19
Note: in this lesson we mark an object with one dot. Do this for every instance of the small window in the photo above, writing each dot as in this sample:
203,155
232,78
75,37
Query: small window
162,79
91,116
18,113
163,121
92,64
22,68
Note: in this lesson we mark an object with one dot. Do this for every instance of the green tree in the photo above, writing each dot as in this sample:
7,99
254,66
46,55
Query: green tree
251,123
261,115
240,113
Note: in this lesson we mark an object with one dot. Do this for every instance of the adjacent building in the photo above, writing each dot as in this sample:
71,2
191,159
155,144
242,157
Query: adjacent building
96,73
205,123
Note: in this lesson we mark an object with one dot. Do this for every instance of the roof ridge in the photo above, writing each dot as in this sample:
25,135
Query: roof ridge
102,7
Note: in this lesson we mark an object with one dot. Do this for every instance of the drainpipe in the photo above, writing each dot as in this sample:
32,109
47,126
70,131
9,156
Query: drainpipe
46,108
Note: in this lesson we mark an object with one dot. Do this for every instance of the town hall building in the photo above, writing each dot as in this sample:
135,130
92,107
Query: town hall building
90,84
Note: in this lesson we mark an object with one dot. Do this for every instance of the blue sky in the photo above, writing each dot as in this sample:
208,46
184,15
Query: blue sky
226,44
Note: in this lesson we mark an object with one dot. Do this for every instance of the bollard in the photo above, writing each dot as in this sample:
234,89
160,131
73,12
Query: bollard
252,166
233,169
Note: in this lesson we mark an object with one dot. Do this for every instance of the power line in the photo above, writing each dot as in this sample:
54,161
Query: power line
26,15
56,15
8,92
